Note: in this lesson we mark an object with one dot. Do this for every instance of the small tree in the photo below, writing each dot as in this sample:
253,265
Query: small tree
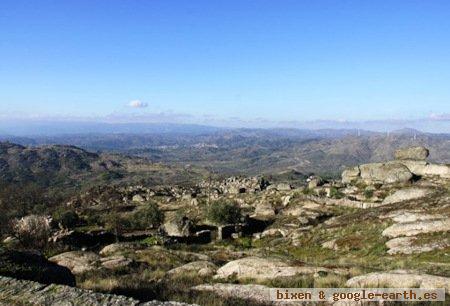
33,231
149,216
115,223
66,218
222,212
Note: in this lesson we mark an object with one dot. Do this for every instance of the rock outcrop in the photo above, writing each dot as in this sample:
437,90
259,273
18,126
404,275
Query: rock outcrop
383,173
411,245
263,269
409,162
418,227
33,267
78,262
21,292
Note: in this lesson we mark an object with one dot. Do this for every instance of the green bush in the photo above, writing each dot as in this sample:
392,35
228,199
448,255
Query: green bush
116,222
308,191
149,216
335,193
66,218
222,212
368,193
154,240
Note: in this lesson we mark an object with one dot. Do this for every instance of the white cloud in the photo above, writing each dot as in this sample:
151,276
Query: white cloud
137,104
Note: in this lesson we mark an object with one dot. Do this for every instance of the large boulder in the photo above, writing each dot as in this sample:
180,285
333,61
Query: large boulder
385,173
263,269
399,279
436,170
406,195
423,168
78,262
26,265
264,211
413,153
178,228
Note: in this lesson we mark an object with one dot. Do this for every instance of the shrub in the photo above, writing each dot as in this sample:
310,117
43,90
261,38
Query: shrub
308,191
368,193
115,222
222,212
149,216
33,230
154,240
66,218
335,193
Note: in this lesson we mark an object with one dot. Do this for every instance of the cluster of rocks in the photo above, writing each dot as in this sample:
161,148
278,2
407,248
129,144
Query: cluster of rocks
409,163
236,185
299,217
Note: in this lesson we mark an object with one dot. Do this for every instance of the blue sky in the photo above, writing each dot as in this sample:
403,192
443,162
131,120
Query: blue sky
278,60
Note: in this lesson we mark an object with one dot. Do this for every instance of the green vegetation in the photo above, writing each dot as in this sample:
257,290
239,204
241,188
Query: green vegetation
336,193
149,216
224,212
66,218
308,191
151,241
368,193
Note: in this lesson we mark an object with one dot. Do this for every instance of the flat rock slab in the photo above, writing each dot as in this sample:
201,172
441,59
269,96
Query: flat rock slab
407,194
264,269
415,228
407,216
255,293
410,245
21,292
78,262
399,279
119,248
202,268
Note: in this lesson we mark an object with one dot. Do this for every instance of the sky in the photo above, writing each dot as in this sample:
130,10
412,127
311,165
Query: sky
258,61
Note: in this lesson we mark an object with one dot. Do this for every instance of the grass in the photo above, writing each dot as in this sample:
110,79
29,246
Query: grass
146,285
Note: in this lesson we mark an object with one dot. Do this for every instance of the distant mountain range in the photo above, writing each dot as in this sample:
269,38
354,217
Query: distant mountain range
65,168
227,151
